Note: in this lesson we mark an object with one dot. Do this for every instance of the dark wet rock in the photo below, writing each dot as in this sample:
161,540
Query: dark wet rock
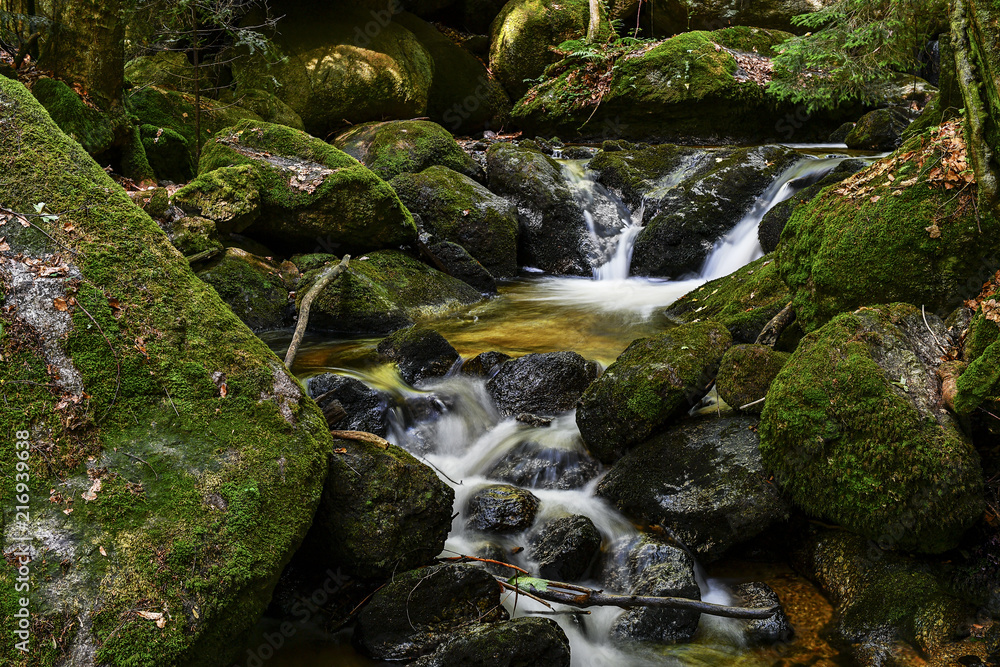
744,301
253,288
663,626
627,558
501,508
703,480
484,364
839,135
767,631
399,147
554,235
382,511
746,373
453,207
881,598
879,130
458,263
565,548
536,466
533,419
494,552
545,384
653,381
422,609
365,407
521,642
854,432
769,230
419,354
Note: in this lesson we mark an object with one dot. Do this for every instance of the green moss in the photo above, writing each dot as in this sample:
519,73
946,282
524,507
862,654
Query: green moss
405,147
192,236
89,126
980,382
169,153
744,301
849,445
150,341
745,38
876,245
228,196
982,333
252,287
746,373
267,106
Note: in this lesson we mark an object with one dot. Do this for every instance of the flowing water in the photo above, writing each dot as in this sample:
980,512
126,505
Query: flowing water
464,438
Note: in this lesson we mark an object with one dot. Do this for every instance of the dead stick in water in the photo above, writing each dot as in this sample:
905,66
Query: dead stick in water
300,328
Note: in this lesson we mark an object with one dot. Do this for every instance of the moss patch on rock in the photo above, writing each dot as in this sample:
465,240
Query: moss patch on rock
88,125
252,287
746,373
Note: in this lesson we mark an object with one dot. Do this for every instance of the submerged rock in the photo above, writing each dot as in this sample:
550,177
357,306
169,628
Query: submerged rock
543,384
746,373
854,432
453,207
252,287
419,354
383,292
703,480
309,190
484,364
766,631
365,407
565,548
422,609
519,642
501,508
397,147
382,511
653,381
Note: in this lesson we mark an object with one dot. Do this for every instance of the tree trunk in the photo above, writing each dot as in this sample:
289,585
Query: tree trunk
87,46
595,20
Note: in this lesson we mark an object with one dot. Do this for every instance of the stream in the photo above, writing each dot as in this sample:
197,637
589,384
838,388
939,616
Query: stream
465,438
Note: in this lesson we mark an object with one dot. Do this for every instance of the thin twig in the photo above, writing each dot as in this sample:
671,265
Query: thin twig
923,312
136,458
473,559
753,403
520,591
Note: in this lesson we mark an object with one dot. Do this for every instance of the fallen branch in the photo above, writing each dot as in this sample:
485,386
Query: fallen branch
579,596
772,330
361,436
753,403
136,458
300,328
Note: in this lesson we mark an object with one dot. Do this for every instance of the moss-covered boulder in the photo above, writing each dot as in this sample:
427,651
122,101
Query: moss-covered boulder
188,463
501,508
879,130
169,69
456,261
84,122
674,16
309,190
523,34
690,217
228,196
267,105
453,207
192,236
398,625
382,512
252,287
406,147
744,301
464,95
853,432
703,480
336,63
519,641
689,89
419,354
882,600
383,292
746,373
899,230
653,381
771,225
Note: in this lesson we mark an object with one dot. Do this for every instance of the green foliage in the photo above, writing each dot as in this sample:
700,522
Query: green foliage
854,49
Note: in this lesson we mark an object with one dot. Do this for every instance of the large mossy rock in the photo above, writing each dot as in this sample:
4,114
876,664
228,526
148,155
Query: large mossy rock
879,130
704,480
653,381
519,642
382,511
228,196
453,207
397,147
332,62
688,89
853,432
890,234
252,287
674,16
744,301
310,192
523,34
881,599
93,129
422,609
746,373
116,356
383,292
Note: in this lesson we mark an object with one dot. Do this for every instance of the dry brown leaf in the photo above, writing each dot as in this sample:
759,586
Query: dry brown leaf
934,231
150,615
103,552
223,390
60,304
